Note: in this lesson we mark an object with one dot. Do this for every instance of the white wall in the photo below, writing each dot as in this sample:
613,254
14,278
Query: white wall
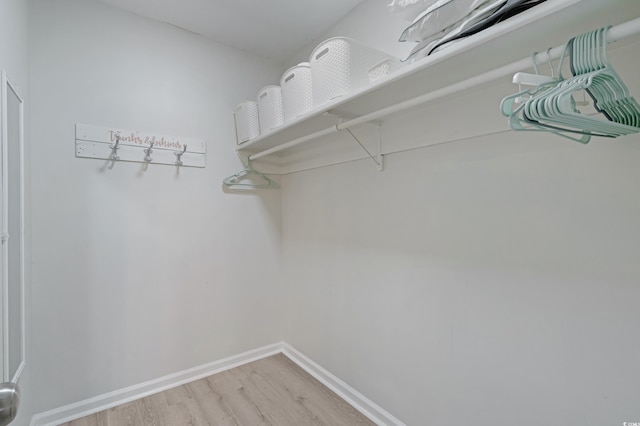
138,274
14,55
493,280
14,59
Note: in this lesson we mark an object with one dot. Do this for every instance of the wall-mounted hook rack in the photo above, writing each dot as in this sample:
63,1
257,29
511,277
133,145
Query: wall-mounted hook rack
135,146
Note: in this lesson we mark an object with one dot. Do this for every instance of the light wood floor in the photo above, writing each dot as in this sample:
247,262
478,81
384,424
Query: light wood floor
271,391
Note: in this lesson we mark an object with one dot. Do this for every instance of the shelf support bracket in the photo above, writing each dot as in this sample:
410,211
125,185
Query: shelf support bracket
379,157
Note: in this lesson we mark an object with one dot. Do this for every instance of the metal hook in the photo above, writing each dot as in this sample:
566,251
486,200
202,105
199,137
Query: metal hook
114,149
179,154
148,152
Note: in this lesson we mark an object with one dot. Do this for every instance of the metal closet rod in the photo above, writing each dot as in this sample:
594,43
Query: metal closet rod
616,33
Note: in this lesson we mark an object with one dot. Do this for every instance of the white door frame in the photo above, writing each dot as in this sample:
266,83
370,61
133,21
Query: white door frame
6,86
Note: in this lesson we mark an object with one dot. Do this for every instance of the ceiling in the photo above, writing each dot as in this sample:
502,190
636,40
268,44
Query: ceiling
275,29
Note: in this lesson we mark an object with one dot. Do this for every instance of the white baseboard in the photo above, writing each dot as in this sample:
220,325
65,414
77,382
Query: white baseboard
103,402
360,402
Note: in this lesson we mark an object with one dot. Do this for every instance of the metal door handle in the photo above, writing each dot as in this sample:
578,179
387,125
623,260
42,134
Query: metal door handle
9,401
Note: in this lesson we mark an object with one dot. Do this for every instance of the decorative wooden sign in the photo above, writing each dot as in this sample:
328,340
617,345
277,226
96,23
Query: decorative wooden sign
113,144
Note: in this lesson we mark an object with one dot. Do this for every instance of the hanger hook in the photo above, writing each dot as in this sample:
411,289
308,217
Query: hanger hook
246,164
535,64
565,49
114,149
179,154
148,152
115,146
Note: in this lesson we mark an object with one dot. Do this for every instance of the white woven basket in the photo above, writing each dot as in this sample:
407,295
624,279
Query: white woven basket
247,122
383,69
341,65
270,108
297,92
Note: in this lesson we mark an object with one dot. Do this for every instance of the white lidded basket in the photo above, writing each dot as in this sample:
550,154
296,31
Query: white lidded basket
341,65
247,121
297,92
270,108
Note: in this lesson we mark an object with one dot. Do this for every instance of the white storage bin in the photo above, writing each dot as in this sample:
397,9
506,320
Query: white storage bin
270,108
247,122
341,65
297,92
383,69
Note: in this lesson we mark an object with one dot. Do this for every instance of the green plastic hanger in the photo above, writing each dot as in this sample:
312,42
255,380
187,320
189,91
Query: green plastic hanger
552,107
610,94
520,122
247,175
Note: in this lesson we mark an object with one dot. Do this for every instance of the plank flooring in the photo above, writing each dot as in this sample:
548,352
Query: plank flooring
271,391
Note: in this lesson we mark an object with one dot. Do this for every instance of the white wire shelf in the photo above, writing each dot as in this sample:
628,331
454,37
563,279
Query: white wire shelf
546,25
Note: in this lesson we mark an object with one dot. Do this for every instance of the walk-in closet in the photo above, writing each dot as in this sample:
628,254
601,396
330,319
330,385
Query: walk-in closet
329,212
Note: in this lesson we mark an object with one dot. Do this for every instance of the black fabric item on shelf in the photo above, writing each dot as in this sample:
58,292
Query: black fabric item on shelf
508,10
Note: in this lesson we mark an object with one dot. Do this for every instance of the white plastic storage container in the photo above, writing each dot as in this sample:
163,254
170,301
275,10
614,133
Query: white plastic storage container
383,69
341,65
247,121
297,92
270,108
